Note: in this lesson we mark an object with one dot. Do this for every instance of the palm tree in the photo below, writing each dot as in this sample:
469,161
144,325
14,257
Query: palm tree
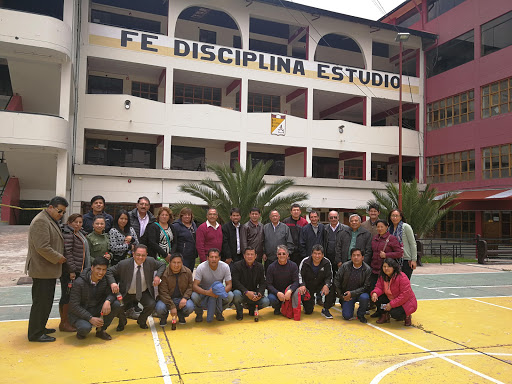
243,188
422,209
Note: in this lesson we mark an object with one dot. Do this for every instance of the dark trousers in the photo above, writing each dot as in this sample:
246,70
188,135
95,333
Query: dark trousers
309,305
406,268
397,313
189,263
64,291
83,327
43,292
148,304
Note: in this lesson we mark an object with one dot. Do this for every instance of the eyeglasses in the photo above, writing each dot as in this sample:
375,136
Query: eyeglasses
332,217
59,211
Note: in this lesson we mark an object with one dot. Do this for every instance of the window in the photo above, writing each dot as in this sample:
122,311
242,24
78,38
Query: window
124,21
268,47
5,80
496,98
458,166
353,169
237,42
209,37
53,8
438,7
379,171
105,85
277,168
453,110
408,19
451,54
496,162
188,158
263,103
497,34
197,94
145,90
120,154
325,167
456,224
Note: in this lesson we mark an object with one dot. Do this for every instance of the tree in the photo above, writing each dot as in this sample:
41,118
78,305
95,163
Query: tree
244,189
422,209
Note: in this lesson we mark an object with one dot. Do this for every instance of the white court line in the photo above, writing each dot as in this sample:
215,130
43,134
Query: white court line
435,354
495,305
461,298
454,273
21,305
453,294
470,286
161,359
8,321
381,375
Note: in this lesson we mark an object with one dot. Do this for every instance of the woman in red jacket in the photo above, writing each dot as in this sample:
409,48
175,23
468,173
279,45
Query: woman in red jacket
393,294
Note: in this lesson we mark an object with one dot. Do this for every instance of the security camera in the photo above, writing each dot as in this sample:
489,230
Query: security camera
340,128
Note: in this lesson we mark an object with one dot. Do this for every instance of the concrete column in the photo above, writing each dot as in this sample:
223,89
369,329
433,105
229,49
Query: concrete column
65,89
368,111
242,153
169,85
68,13
308,155
166,163
244,95
367,166
62,174
310,103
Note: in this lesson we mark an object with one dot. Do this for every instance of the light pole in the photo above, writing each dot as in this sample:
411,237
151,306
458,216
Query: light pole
400,37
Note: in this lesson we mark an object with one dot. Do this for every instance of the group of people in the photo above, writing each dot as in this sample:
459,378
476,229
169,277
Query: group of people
111,267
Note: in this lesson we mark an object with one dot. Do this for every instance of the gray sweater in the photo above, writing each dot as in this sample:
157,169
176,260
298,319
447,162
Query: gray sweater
280,236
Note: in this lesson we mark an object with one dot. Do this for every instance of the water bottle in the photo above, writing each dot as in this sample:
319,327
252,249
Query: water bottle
256,314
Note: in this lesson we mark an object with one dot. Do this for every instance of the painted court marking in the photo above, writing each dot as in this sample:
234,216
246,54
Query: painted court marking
495,305
469,286
162,362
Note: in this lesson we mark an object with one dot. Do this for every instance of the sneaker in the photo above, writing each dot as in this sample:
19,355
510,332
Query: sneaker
131,314
199,318
181,320
239,315
325,313
362,319
163,321
219,316
277,311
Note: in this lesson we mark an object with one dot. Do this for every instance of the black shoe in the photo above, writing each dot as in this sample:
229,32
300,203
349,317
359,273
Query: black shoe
181,320
80,337
48,331
277,311
163,321
44,339
376,314
199,318
103,335
219,317
362,319
143,326
251,312
325,313
239,315
137,309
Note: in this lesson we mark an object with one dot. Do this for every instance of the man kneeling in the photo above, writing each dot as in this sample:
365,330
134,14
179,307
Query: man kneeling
175,291
249,284
92,303
352,284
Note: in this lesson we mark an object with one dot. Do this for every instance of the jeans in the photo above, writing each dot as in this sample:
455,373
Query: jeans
196,299
162,310
239,299
347,307
83,327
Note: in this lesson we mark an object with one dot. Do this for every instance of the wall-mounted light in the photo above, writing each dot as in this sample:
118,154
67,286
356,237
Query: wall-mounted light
402,36
340,128
127,104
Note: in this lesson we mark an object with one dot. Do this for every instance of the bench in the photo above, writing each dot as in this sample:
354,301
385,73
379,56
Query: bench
484,252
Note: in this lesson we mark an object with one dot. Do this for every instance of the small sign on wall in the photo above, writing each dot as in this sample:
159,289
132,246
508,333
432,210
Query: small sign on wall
278,124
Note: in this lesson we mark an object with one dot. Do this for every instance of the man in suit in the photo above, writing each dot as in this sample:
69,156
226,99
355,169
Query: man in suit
132,278
231,244
44,264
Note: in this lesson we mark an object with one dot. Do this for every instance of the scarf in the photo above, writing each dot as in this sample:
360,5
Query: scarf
398,232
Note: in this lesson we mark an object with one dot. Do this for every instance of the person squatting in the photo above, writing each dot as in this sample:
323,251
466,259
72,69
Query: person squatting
138,265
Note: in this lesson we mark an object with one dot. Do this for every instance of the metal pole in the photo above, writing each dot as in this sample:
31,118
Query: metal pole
400,134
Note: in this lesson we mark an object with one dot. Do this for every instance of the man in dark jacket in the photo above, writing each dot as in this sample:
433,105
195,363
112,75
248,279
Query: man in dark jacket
140,217
231,244
92,302
135,279
295,222
352,284
251,234
310,235
248,284
97,208
315,276
353,237
331,233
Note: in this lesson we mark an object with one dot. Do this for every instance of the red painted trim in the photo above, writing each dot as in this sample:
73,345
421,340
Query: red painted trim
15,104
306,104
234,84
392,111
417,63
293,95
365,106
417,123
417,169
162,76
305,161
341,106
290,151
364,167
230,145
296,35
159,140
478,222
405,159
11,196
350,155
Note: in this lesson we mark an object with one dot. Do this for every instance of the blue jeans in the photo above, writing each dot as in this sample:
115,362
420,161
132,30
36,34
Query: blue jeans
196,299
239,299
162,310
347,307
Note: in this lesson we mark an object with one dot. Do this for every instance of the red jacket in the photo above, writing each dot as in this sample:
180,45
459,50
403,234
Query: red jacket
207,237
390,245
402,293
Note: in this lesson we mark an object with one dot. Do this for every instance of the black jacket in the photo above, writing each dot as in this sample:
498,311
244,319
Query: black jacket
249,279
152,236
88,219
363,241
307,239
343,275
229,242
307,277
331,254
134,222
82,296
186,243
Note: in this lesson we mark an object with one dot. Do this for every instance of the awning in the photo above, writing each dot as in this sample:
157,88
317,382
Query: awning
479,195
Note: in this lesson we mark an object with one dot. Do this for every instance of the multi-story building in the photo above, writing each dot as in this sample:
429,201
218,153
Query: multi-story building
468,96
165,88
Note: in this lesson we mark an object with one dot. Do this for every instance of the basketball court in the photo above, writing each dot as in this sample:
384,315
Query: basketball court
462,333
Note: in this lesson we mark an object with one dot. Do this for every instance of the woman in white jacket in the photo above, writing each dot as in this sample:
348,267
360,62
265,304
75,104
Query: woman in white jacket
403,231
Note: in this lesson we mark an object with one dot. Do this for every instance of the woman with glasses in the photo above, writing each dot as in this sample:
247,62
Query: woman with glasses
185,229
405,235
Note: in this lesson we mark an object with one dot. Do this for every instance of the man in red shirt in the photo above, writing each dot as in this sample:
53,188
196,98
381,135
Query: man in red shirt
208,235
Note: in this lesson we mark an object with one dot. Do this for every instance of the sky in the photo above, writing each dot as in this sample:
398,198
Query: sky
367,9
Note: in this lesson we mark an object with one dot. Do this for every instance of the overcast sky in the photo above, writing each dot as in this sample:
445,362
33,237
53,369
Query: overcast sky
361,8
